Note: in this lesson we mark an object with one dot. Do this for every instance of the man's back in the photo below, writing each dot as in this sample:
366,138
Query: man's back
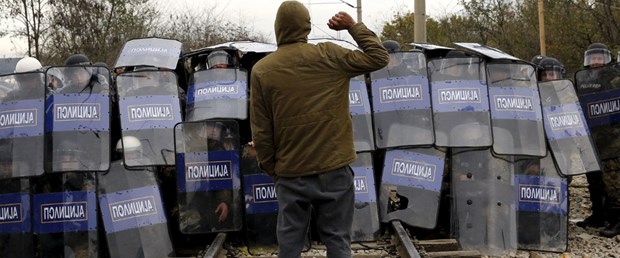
300,111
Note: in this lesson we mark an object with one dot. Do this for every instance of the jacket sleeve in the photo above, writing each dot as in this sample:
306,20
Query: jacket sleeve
262,127
373,55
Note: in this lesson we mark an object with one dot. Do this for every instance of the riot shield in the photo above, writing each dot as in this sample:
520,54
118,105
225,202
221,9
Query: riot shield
261,206
599,95
154,52
65,214
16,239
366,225
149,108
516,113
77,119
132,212
566,130
483,204
460,102
361,114
208,180
21,125
217,93
411,186
542,218
401,102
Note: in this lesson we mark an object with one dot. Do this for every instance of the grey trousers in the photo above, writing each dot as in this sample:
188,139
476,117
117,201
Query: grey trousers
332,196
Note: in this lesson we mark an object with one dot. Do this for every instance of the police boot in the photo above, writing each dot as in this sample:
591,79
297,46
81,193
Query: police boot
612,230
594,221
614,227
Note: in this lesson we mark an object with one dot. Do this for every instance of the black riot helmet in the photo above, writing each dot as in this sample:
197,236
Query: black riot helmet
536,59
391,46
596,55
77,59
550,69
219,59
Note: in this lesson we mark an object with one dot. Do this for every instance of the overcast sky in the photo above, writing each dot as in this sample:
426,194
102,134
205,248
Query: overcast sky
260,14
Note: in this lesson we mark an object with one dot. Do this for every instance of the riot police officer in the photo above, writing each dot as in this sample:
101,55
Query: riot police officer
596,55
131,149
550,69
79,78
396,66
28,84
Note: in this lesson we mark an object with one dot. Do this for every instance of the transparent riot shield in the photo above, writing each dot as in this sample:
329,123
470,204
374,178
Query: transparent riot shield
77,119
208,179
460,102
566,129
65,214
217,93
361,114
149,107
411,186
366,225
516,113
401,102
22,148
16,239
483,204
133,214
261,206
542,209
599,95
154,52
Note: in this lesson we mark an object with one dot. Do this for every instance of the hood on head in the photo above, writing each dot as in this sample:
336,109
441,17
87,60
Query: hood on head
292,23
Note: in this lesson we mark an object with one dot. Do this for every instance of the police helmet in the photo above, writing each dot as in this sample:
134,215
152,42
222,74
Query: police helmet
77,59
391,46
536,59
128,144
597,54
219,58
551,67
27,64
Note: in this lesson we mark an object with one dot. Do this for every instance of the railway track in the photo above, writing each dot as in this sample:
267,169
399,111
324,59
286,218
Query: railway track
400,245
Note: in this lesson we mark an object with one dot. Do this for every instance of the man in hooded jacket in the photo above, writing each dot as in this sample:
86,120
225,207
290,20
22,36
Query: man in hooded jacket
301,126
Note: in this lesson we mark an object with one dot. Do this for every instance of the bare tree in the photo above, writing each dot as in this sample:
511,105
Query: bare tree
202,26
97,28
30,19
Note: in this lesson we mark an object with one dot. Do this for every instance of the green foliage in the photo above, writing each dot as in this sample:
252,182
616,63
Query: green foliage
512,26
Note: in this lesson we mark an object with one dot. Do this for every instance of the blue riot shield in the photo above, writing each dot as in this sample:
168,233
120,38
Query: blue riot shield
566,129
599,94
149,107
154,52
542,196
361,114
411,186
401,102
366,225
516,113
65,214
261,206
77,119
208,179
483,205
133,213
217,93
460,102
16,239
21,125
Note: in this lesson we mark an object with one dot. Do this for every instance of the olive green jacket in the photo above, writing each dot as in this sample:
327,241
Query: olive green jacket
299,101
